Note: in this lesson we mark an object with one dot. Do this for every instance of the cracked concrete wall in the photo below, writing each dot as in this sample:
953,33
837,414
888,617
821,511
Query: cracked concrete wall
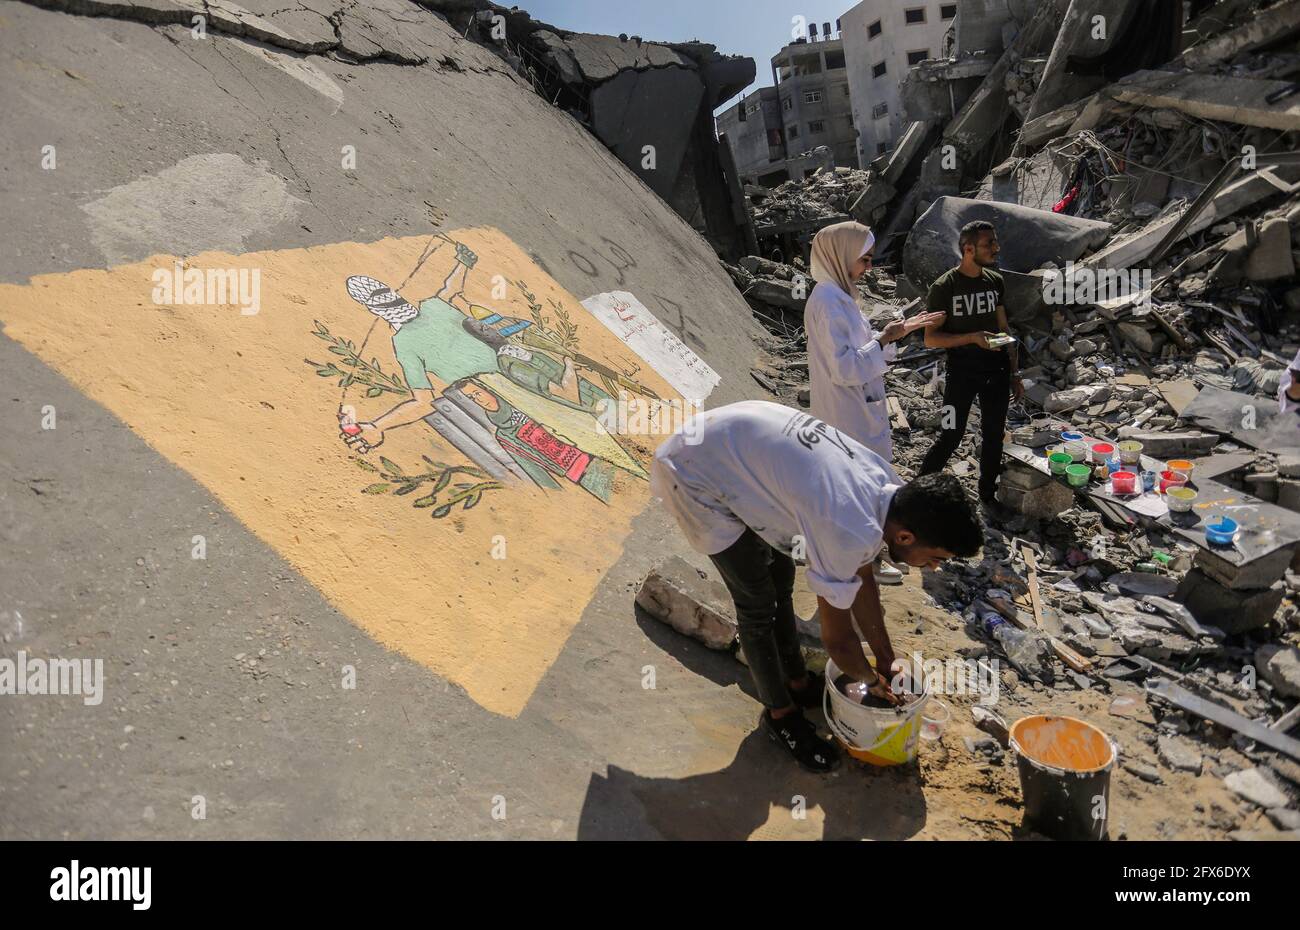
651,102
132,140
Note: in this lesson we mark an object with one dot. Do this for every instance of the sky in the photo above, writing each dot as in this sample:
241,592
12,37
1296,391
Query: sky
756,28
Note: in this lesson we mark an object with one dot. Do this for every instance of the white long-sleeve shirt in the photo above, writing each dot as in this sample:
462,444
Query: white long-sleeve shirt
796,482
846,368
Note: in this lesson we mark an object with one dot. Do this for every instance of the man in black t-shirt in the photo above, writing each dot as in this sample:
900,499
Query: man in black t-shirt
972,297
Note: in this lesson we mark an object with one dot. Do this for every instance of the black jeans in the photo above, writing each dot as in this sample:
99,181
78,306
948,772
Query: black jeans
993,388
761,582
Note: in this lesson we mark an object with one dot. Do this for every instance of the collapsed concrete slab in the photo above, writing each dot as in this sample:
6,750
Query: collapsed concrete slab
1268,27
1239,100
1029,238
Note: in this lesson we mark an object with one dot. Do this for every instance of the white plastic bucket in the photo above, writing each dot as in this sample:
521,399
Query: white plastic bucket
878,735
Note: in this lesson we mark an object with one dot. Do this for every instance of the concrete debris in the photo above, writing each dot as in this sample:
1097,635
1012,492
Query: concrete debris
1150,276
824,195
1257,788
1280,667
685,599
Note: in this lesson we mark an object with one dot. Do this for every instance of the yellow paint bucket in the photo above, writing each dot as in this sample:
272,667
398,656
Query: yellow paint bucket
877,735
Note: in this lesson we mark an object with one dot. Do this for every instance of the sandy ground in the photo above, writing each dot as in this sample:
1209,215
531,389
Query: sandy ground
967,797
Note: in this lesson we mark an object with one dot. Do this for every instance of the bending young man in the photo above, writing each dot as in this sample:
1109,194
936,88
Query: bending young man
752,483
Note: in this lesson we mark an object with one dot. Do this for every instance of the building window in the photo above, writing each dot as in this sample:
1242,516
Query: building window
787,103
882,148
948,11
812,96
914,16
834,60
846,90
792,132
879,110
849,119
873,30
816,126
915,58
878,69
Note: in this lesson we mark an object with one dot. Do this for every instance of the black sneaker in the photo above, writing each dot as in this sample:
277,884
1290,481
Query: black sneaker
810,695
800,739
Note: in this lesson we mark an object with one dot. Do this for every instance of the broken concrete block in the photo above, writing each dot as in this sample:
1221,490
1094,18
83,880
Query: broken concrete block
1256,788
675,593
1257,573
1212,604
1141,338
1280,667
1164,445
1288,494
1064,401
1288,465
1041,503
1030,238
878,193
1271,259
1179,754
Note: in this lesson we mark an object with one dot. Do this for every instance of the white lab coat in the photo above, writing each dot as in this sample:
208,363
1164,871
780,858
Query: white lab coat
1287,403
846,368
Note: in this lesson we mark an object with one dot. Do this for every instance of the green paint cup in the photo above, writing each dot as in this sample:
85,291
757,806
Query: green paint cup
1058,462
1078,475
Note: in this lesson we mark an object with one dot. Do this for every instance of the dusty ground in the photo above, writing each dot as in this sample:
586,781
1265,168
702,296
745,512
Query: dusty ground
952,794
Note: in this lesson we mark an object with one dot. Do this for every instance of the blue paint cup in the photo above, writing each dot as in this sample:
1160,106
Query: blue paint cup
1148,481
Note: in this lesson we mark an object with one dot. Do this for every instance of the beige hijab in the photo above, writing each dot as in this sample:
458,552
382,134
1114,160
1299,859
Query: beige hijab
835,249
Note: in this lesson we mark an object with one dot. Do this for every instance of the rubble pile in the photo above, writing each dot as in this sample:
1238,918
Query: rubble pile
1152,285
826,194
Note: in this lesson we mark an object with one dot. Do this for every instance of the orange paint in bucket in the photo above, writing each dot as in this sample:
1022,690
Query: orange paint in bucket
1065,767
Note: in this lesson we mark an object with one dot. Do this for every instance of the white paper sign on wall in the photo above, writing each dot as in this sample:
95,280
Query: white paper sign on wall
629,320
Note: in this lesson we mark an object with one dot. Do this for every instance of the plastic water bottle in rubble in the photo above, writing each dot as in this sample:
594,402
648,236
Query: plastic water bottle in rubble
1023,649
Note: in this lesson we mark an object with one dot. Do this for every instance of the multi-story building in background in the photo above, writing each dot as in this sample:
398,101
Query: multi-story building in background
754,131
882,40
771,131
812,84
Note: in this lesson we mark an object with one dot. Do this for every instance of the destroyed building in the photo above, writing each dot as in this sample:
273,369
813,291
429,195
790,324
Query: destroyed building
650,102
1145,186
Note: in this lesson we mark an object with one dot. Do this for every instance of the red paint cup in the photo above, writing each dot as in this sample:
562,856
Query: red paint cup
1123,482
1102,452
1171,479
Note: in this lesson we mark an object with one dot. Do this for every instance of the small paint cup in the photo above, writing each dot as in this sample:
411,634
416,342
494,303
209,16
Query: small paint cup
1130,452
1078,475
1149,480
1180,499
1182,466
1171,479
1070,436
1102,452
1123,483
1221,533
1058,462
1077,449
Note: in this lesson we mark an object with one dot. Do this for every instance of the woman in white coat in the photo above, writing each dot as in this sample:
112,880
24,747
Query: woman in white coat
846,358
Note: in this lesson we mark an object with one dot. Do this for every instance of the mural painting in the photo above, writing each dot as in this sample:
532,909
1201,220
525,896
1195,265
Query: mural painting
453,489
